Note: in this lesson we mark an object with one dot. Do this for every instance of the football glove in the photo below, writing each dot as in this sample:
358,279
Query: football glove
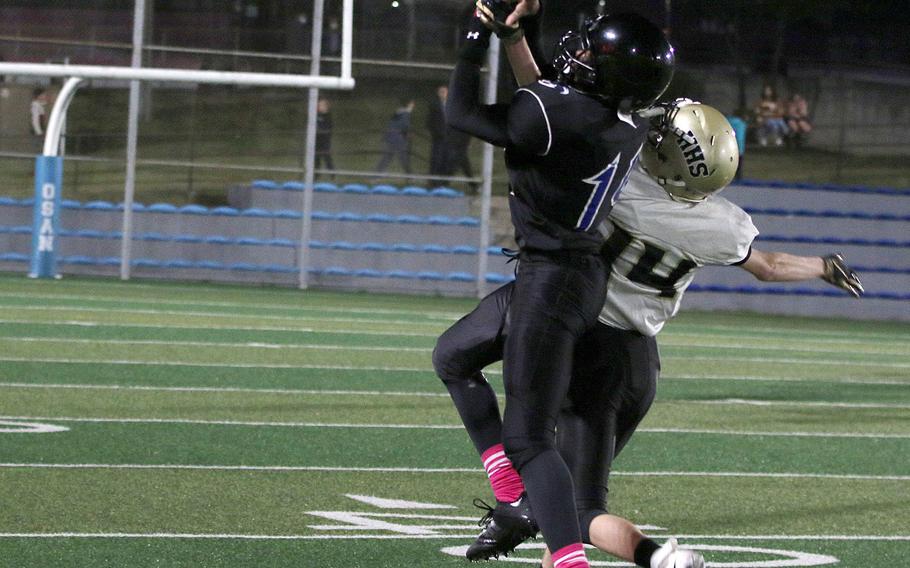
837,273
493,14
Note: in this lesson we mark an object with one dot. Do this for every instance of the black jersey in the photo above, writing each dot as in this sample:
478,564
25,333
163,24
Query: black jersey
568,158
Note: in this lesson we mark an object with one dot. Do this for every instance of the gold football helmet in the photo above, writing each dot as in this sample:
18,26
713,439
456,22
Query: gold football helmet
691,150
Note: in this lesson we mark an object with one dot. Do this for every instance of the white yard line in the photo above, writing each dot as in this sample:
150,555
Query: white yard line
207,327
447,470
355,425
241,305
266,537
380,393
178,313
181,343
222,365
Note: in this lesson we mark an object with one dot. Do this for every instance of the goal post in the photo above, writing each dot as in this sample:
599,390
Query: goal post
49,165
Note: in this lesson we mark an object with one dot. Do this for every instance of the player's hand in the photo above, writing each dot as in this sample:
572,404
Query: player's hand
523,8
496,15
837,273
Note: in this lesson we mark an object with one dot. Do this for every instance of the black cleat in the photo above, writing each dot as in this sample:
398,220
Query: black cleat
504,528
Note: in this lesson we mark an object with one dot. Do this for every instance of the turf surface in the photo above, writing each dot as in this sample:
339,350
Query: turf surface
237,426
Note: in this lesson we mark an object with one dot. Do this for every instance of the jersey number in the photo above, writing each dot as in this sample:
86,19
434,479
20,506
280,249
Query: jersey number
643,270
604,189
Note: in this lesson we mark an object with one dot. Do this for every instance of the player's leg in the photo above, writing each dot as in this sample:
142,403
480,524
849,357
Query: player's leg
553,304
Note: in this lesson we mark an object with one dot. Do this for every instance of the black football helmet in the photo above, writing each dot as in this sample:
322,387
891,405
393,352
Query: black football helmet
623,59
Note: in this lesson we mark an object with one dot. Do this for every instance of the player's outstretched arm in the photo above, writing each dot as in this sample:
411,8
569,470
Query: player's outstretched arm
464,111
784,267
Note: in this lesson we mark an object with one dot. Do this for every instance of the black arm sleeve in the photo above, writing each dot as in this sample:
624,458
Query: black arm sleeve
531,26
464,111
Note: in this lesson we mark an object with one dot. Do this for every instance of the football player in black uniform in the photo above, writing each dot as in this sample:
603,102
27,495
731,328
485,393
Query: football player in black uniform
570,146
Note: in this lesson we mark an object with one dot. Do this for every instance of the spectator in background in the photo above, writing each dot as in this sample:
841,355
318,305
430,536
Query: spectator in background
797,116
439,133
739,128
299,32
332,40
769,117
38,112
397,137
324,134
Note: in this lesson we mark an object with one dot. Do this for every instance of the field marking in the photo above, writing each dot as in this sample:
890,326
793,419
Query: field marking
263,317
452,316
337,347
423,394
442,470
233,345
416,369
813,537
371,426
17,427
79,323
837,381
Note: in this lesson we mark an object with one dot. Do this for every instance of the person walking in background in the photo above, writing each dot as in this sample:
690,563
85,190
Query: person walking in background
797,116
397,137
324,134
769,116
439,135
38,112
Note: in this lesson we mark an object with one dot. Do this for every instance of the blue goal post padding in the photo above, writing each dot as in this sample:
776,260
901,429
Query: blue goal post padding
46,218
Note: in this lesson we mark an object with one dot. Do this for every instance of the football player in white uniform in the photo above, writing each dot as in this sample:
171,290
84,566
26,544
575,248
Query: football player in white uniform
666,224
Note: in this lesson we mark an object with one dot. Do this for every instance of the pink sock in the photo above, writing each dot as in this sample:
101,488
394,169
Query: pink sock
572,556
506,483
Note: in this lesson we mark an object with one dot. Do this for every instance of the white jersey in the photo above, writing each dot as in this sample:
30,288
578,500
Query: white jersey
655,244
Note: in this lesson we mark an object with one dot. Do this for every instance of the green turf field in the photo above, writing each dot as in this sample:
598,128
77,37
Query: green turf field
220,426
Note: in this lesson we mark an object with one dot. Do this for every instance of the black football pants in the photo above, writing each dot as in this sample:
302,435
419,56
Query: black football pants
613,383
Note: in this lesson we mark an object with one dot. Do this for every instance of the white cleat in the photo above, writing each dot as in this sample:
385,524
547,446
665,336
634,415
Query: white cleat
671,556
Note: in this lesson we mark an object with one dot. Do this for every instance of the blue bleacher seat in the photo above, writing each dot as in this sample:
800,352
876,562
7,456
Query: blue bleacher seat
494,250
435,249
27,202
85,234
13,257
194,210
293,186
446,192
368,273
187,239
8,201
415,191
151,237
336,271
342,245
177,263
495,278
430,275
70,204
318,245
244,267
287,214
21,230
380,218
209,264
467,221
136,206
251,241
218,240
264,184
323,216
280,269
374,246
161,208
224,210
404,247
256,212
406,274
109,261
384,190
147,262
281,243
464,249
326,187
349,216
355,188
460,277
99,206
440,220
411,219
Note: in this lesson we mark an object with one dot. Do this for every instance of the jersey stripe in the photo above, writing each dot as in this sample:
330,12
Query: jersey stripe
546,119
601,182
